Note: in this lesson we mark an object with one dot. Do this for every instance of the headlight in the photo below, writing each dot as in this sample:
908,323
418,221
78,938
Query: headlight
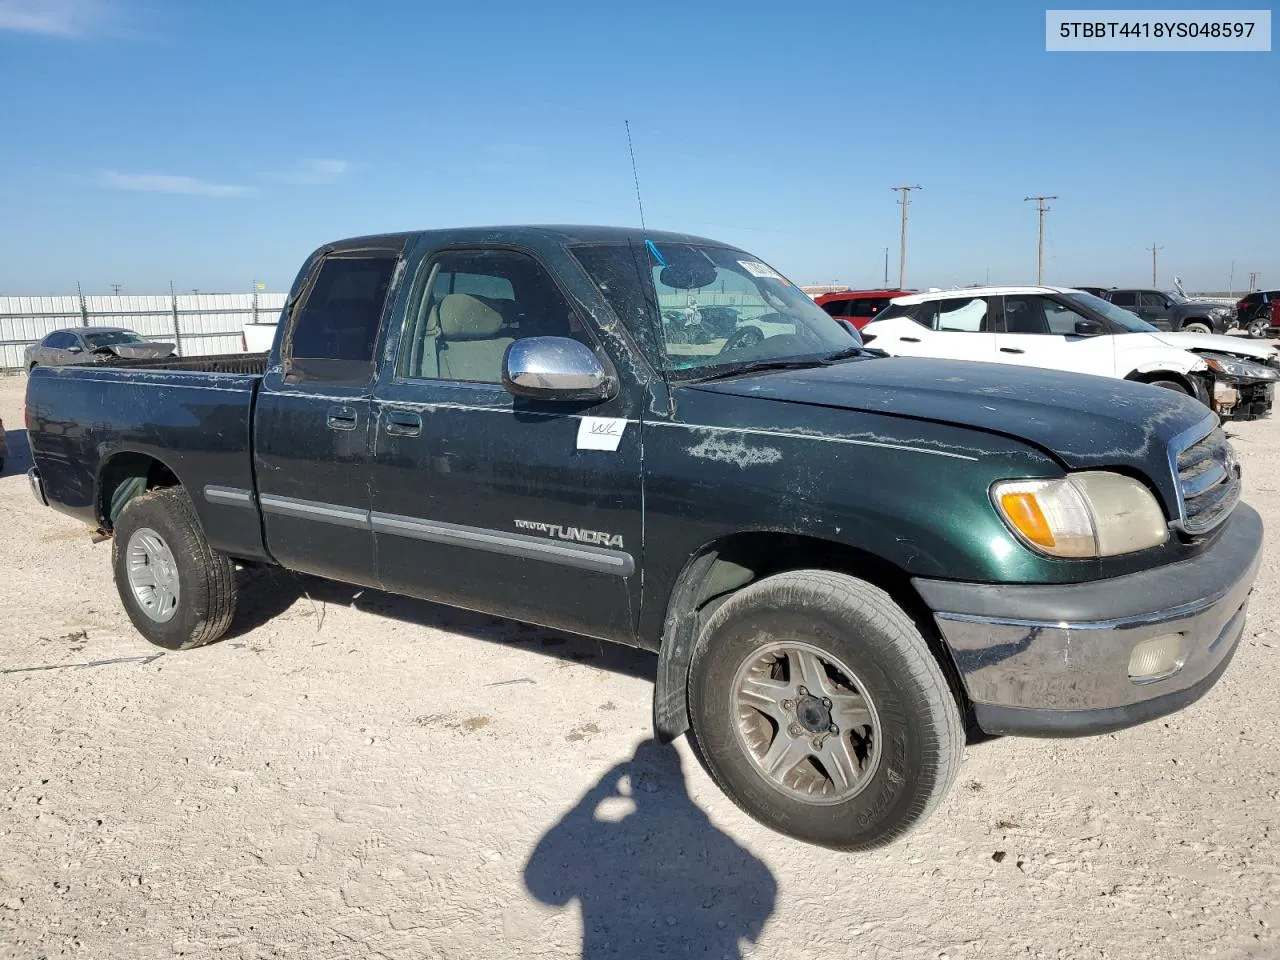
1093,514
1218,312
1238,368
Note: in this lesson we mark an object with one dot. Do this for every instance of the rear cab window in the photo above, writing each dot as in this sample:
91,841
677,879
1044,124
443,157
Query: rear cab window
335,329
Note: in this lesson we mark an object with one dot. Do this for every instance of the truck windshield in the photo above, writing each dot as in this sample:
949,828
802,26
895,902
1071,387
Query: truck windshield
1130,322
110,337
709,308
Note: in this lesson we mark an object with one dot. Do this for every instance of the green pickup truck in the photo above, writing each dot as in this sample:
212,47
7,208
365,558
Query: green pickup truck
841,559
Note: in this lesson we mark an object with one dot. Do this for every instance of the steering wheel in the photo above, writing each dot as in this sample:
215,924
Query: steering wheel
743,337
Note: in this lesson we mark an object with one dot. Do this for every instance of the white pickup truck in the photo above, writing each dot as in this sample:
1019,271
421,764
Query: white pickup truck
1064,329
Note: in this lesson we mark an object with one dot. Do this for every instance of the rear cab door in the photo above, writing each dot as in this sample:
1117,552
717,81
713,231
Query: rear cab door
313,425
951,328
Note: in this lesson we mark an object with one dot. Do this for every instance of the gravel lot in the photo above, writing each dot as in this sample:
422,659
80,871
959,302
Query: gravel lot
351,774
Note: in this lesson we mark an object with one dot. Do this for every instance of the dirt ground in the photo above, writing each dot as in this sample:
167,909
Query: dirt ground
351,774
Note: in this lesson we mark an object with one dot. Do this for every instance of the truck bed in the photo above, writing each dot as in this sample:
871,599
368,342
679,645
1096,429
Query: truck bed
94,426
241,363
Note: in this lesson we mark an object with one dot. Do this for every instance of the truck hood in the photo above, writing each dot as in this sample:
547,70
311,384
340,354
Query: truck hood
1239,346
139,351
1084,421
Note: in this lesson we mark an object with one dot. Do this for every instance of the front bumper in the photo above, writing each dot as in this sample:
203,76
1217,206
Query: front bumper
1253,399
1053,660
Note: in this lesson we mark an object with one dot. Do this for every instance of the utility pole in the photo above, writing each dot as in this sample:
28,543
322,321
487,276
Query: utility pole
886,269
1253,280
1040,200
902,249
1153,248
115,289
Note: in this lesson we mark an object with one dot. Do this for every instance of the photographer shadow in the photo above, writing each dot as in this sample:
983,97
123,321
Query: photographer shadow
651,872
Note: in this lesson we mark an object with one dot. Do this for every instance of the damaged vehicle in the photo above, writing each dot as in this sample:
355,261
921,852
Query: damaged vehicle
94,345
1060,328
554,424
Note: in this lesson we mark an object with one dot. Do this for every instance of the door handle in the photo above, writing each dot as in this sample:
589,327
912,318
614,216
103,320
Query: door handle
1012,350
909,339
402,424
341,418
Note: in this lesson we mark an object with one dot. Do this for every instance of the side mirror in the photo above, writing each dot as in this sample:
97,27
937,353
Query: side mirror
74,350
1088,328
850,329
555,368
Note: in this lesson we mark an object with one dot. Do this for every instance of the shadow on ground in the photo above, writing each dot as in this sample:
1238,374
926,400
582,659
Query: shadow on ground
653,876
18,458
267,592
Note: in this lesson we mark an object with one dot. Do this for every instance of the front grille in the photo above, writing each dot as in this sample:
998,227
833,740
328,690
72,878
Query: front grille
1208,482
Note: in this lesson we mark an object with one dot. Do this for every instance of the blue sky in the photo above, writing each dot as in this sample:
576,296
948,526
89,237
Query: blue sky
213,144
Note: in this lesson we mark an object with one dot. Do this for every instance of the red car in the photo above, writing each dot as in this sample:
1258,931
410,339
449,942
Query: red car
857,306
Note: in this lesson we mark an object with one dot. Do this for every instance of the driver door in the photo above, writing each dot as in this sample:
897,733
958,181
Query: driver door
492,502
1039,331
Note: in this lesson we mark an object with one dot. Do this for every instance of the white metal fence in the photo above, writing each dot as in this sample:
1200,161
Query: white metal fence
199,323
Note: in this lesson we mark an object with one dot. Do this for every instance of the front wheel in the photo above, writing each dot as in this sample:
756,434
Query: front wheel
1196,326
178,591
817,706
1173,385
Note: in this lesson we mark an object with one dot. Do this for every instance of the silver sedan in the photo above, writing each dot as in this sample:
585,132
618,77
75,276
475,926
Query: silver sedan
94,345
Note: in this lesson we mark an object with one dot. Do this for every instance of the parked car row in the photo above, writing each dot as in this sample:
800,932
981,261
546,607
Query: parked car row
1061,328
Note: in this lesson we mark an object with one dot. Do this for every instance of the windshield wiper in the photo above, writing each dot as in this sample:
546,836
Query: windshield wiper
849,353
760,366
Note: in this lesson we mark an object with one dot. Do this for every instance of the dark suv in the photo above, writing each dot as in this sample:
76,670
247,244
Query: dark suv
1170,311
1259,313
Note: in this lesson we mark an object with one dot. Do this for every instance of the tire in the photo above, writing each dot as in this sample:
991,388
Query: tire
1196,326
904,759
1258,327
199,581
1170,385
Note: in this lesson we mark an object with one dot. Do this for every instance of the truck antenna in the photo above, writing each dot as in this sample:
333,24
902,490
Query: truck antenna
634,175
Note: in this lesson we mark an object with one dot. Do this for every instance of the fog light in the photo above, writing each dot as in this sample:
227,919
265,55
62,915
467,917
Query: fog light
1157,658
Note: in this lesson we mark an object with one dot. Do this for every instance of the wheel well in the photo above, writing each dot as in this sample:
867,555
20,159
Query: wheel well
725,566
125,476
1152,375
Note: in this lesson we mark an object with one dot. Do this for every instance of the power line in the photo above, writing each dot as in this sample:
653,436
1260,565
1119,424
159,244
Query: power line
1042,209
902,249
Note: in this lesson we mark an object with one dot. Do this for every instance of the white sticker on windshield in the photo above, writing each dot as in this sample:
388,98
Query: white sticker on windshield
600,433
758,269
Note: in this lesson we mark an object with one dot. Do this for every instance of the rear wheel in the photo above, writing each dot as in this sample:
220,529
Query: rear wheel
178,591
817,706
1258,327
1195,326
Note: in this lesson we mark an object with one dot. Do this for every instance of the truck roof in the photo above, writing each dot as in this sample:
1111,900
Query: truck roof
532,234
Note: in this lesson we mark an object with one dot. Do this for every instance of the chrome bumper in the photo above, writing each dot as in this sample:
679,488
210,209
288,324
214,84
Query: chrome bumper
37,486
1054,660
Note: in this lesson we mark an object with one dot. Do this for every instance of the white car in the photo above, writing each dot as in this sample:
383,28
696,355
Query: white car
258,337
1064,329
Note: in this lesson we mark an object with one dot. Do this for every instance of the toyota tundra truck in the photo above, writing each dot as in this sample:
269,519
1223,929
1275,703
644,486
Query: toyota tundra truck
648,438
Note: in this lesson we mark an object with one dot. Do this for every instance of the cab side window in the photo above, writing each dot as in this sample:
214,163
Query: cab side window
335,330
1124,298
962,315
470,305
1154,300
1025,315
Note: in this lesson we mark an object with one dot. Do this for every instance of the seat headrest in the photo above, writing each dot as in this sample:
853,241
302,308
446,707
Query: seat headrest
464,317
